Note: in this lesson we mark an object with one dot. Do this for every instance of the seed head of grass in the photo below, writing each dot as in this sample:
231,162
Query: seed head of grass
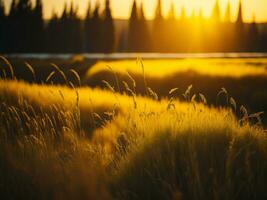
76,75
172,91
10,67
108,86
203,98
62,74
30,68
50,76
233,103
153,94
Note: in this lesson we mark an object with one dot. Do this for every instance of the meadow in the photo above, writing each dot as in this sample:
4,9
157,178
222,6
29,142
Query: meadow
107,132
244,78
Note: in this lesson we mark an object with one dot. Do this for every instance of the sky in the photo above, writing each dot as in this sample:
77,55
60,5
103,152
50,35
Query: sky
122,8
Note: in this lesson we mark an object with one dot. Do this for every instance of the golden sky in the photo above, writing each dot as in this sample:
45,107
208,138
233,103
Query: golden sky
121,8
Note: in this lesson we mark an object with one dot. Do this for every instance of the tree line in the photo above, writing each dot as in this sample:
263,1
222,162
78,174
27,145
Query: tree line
24,30
194,33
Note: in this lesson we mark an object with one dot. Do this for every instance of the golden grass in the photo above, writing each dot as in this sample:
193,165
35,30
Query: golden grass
235,68
67,143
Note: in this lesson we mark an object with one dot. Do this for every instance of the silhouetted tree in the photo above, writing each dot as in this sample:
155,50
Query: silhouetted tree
70,36
52,34
74,30
133,30
214,34
239,30
216,14
62,35
23,18
96,26
171,30
88,30
158,28
144,33
23,31
182,34
253,37
227,16
37,30
12,28
228,39
2,27
108,34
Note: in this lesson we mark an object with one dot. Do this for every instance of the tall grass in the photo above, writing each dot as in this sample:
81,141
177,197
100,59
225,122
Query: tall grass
79,143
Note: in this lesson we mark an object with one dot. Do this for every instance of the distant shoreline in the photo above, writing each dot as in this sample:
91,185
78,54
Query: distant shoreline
119,56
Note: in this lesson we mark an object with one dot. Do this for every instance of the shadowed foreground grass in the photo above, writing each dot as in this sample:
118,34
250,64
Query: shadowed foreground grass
63,143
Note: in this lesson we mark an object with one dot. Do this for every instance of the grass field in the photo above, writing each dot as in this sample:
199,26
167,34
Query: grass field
129,140
245,79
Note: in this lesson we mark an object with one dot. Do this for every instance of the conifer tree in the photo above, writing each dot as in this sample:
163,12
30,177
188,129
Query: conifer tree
240,32
63,43
228,31
2,27
171,15
253,37
144,36
108,34
52,33
74,29
216,14
133,34
38,27
24,25
12,28
158,33
88,30
239,20
171,29
96,37
227,16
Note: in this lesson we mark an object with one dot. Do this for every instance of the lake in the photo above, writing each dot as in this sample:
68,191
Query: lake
119,56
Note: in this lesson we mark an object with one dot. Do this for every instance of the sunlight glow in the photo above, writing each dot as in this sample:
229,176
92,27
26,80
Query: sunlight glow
165,68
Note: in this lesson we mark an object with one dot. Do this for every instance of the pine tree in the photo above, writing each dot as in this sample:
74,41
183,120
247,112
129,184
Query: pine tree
144,37
133,30
253,36
13,8
52,33
88,30
183,14
63,34
171,15
38,27
171,42
158,29
12,28
2,10
227,16
239,20
74,29
108,34
2,27
216,14
229,31
158,14
24,20
96,39
240,35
